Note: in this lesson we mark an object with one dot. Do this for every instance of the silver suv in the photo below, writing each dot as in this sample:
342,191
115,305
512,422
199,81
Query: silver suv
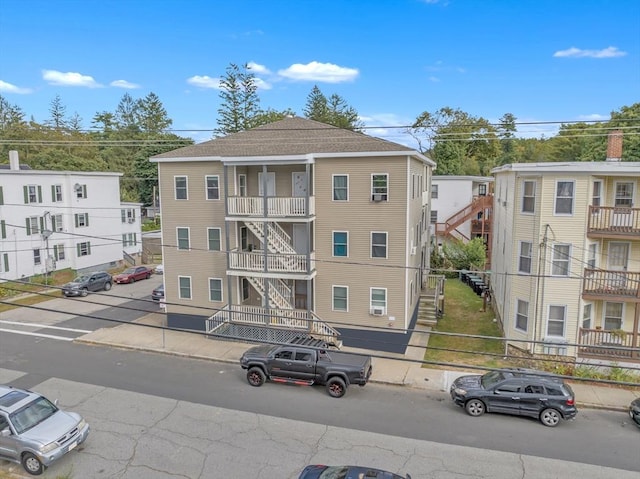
34,432
82,285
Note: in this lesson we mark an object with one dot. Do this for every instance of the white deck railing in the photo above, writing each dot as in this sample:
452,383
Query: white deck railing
277,206
276,263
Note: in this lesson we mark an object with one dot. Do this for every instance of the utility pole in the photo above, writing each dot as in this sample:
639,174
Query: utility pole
46,232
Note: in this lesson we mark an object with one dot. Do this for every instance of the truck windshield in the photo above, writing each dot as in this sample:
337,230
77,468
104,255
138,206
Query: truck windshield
32,414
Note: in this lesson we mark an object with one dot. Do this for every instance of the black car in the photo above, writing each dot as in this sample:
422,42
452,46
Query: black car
158,293
82,285
520,392
347,472
634,411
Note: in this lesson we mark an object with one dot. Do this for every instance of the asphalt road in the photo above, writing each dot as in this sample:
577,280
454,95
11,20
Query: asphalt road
598,438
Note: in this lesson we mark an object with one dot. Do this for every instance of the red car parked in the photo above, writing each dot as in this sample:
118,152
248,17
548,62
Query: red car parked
131,275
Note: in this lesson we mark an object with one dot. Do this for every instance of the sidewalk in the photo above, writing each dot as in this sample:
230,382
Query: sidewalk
385,371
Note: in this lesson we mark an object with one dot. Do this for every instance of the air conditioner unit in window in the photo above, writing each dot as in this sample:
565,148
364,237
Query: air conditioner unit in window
377,310
378,197
131,220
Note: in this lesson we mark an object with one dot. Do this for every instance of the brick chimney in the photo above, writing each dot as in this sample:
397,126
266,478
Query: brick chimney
14,161
614,146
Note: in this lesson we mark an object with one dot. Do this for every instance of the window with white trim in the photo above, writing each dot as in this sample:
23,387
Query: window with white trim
586,316
215,289
83,249
378,244
340,298
213,187
56,193
341,243
58,252
32,194
182,238
242,185
624,194
213,239
433,219
56,223
378,298
33,225
564,197
556,321
37,259
528,196
596,196
81,191
379,187
340,188
524,262
434,191
560,255
180,185
82,220
184,287
522,315
613,313
592,254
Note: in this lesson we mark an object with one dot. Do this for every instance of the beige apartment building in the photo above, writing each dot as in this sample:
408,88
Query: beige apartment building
566,257
296,227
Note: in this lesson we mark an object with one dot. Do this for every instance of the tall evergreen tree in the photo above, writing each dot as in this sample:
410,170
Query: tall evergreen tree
332,111
10,115
240,104
152,115
58,112
126,115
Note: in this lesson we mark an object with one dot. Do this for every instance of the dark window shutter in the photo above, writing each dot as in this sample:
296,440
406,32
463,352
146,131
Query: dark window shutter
1,196
84,191
86,219
76,217
88,247
39,194
28,227
3,226
25,190
5,257
42,224
53,193
78,248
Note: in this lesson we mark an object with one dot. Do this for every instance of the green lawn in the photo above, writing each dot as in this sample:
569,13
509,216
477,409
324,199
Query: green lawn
463,314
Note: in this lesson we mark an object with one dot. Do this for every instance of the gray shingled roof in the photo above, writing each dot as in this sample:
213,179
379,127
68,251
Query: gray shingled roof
290,136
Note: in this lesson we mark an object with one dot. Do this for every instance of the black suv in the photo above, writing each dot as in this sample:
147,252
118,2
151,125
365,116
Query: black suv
81,286
521,392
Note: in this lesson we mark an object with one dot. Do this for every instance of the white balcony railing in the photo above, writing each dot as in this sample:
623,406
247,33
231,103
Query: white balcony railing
275,263
277,206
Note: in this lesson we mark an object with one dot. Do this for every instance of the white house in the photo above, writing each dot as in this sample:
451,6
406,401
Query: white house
52,220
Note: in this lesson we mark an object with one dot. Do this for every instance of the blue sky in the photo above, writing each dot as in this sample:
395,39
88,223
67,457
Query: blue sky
543,61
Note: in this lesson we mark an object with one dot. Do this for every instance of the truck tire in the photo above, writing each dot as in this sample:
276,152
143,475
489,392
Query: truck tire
256,376
336,387
32,464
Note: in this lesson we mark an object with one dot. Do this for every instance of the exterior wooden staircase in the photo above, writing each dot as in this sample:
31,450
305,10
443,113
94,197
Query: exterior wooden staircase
449,227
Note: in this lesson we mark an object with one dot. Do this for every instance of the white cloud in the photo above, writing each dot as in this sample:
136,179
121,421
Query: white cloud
124,84
55,77
434,79
258,69
573,52
319,72
204,82
262,84
9,88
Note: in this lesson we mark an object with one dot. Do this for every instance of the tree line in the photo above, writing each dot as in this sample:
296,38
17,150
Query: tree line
122,140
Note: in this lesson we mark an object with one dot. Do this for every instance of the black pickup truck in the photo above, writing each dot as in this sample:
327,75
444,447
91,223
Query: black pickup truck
296,364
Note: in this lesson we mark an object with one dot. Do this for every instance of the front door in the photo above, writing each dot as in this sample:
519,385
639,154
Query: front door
8,445
299,183
270,184
300,239
618,260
